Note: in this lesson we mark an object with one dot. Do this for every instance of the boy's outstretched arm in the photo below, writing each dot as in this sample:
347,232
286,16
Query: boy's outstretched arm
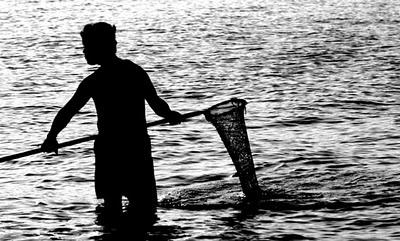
159,106
63,117
162,109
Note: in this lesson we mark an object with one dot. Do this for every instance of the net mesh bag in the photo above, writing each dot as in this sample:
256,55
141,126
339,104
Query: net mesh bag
228,118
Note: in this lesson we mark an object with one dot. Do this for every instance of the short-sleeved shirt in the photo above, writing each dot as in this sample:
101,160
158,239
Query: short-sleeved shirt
123,158
119,93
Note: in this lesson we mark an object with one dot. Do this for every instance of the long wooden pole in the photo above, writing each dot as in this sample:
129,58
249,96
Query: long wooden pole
91,137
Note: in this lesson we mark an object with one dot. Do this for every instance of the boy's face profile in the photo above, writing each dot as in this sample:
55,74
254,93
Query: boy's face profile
92,53
97,52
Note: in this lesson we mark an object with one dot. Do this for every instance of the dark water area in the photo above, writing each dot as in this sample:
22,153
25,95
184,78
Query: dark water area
322,83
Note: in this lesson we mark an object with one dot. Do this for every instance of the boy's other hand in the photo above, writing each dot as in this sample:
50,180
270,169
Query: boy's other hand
174,118
50,145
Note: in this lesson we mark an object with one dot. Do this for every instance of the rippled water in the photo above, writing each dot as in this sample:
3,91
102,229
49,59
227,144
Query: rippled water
321,79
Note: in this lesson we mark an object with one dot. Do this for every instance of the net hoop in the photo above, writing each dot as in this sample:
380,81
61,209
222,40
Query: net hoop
228,118
225,107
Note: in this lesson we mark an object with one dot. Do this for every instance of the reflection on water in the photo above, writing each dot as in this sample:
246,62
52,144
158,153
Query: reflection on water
321,79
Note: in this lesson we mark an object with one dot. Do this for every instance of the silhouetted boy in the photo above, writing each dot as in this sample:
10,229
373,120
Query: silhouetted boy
119,88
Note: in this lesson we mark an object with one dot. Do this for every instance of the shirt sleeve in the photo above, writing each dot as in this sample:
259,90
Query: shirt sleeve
148,87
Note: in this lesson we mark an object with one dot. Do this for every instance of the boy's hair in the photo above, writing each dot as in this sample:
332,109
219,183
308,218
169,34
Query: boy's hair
100,33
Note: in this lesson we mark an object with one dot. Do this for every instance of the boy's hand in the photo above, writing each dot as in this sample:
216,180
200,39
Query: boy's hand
174,118
50,145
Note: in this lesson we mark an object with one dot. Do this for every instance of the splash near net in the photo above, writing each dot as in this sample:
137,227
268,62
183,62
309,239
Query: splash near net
228,119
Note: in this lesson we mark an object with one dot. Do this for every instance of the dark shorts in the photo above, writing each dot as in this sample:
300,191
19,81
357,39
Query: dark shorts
125,169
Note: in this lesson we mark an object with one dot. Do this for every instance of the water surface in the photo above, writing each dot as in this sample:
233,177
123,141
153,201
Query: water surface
321,79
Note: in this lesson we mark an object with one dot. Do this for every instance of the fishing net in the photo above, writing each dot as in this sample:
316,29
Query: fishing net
228,118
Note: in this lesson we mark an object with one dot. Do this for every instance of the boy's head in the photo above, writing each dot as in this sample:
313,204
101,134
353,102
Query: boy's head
99,42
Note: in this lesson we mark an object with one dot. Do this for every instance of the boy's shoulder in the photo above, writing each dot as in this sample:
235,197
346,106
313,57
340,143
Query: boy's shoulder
130,64
91,77
126,65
